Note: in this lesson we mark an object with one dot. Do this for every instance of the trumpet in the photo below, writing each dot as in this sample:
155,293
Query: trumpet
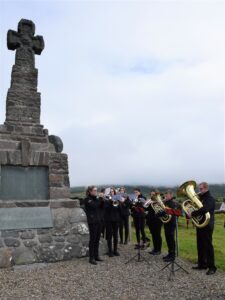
138,200
115,202
147,203
192,203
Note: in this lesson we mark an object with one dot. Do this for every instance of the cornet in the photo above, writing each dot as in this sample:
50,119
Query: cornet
147,203
115,202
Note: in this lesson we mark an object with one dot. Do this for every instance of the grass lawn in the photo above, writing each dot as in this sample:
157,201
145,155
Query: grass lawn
187,240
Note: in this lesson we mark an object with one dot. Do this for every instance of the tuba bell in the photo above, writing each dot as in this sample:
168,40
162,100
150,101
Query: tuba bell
158,206
192,203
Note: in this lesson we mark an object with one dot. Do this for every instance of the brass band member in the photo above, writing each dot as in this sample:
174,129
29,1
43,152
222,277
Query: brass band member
155,224
124,218
138,214
93,208
204,235
101,197
170,227
112,219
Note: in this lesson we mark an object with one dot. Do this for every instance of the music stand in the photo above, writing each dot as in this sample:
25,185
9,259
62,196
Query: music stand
139,256
171,265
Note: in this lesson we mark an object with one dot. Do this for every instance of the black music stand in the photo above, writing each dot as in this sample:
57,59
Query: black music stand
139,256
172,264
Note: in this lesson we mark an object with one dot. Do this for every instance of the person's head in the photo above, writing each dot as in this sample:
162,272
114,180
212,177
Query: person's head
203,187
169,195
152,193
112,191
137,192
91,190
122,190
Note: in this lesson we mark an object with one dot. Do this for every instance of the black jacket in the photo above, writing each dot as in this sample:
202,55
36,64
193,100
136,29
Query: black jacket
151,218
208,203
111,213
125,208
171,204
137,209
94,209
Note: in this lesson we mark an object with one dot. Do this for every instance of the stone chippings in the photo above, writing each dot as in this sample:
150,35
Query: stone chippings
111,279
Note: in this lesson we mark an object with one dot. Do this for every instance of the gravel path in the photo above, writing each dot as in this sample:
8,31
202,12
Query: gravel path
111,279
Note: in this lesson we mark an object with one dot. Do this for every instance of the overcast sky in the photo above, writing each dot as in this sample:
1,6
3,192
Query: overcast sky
135,89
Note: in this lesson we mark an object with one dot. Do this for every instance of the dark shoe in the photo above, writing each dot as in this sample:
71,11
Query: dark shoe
116,253
121,242
156,253
136,246
142,246
151,252
165,257
126,242
110,254
92,261
170,258
211,271
199,268
98,259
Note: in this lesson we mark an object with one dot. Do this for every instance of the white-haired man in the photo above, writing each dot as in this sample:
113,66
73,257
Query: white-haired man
204,235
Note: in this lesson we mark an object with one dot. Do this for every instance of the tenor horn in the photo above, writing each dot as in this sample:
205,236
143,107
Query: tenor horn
193,203
158,206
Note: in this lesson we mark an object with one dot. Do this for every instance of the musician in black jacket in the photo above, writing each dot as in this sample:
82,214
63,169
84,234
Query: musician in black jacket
170,228
93,208
112,220
204,235
101,196
124,218
138,214
155,224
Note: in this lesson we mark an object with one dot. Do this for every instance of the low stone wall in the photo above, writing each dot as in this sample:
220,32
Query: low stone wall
67,239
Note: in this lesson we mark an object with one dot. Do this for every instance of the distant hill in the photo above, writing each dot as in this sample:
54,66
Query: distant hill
217,190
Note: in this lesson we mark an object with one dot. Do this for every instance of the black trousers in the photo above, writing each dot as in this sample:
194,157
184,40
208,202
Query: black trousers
139,224
124,224
170,238
103,230
205,247
95,233
112,235
155,230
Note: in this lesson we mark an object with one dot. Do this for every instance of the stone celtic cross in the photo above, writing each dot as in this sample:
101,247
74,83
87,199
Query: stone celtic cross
25,43
23,100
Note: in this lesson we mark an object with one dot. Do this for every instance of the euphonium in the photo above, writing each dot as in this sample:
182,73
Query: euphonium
159,206
193,203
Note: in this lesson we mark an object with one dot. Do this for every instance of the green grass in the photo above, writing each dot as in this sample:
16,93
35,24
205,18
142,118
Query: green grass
187,241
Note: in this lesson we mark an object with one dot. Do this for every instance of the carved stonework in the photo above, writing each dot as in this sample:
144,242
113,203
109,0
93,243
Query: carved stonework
23,140
38,221
23,100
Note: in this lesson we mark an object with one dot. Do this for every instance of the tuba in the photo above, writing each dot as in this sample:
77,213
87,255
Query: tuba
159,206
192,203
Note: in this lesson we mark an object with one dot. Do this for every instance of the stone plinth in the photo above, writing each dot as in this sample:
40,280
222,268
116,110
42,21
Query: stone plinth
67,239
